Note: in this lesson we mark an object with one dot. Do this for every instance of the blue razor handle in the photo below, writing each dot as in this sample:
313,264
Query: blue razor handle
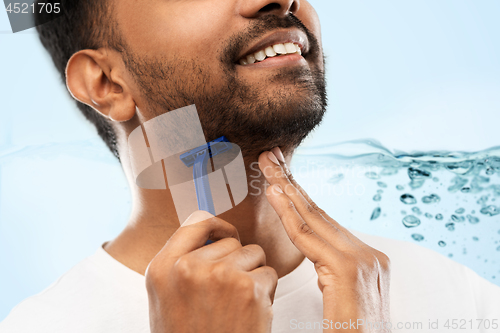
198,158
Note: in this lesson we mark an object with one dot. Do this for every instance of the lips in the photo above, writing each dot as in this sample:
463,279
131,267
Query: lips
276,44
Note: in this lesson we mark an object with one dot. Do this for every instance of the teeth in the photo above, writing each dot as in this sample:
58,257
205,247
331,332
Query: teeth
251,59
279,48
290,48
271,51
259,56
299,51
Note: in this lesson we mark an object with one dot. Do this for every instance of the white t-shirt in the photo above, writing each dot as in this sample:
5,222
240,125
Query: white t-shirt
101,295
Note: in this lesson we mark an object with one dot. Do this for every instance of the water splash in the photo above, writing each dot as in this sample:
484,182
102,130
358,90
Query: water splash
452,190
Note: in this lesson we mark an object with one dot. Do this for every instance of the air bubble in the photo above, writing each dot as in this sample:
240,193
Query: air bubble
411,221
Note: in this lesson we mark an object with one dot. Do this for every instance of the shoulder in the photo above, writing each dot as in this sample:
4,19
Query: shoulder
89,297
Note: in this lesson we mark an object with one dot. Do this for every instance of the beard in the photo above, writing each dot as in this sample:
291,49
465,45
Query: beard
254,117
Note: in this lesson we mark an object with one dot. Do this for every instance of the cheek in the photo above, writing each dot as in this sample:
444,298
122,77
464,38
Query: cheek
175,30
307,14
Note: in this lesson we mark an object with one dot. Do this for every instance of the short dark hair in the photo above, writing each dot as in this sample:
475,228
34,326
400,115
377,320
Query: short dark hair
83,24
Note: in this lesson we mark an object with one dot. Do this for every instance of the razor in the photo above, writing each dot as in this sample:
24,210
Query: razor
198,159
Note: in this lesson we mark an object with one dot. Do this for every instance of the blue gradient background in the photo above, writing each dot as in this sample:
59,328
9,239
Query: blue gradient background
416,75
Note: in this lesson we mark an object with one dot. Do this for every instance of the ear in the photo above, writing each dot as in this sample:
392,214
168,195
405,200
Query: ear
90,80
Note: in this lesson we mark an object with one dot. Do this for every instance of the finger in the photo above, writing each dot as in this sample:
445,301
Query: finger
309,205
275,176
267,279
217,250
247,258
194,232
312,245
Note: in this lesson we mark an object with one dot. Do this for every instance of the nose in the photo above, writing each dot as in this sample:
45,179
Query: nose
256,8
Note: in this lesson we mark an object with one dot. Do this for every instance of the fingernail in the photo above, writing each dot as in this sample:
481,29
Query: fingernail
197,216
278,188
273,158
279,155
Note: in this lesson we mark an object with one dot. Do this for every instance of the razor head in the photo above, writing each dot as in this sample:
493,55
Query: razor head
218,146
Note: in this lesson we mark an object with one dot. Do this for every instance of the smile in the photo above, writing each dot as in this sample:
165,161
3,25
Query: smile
275,50
279,48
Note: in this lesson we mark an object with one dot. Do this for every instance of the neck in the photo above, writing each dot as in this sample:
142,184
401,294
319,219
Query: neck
154,220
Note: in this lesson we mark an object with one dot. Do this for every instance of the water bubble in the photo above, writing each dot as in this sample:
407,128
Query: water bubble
380,191
472,219
442,243
403,212
375,214
400,187
428,215
415,173
473,212
417,237
435,179
460,168
460,210
416,183
336,178
450,255
475,238
382,184
490,210
465,190
439,217
494,161
490,171
458,183
433,198
450,226
411,221
372,175
498,248
456,218
417,210
408,199
377,197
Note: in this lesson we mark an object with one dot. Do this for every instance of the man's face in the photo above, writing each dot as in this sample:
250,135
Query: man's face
183,52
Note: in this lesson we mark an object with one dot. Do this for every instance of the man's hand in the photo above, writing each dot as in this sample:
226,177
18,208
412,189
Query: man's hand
221,287
353,277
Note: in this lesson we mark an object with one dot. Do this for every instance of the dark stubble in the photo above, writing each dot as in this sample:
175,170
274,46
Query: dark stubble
247,115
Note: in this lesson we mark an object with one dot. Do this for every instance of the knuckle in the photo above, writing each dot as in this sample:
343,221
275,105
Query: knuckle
219,273
232,243
310,209
246,287
305,229
254,250
384,260
154,275
302,230
183,268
